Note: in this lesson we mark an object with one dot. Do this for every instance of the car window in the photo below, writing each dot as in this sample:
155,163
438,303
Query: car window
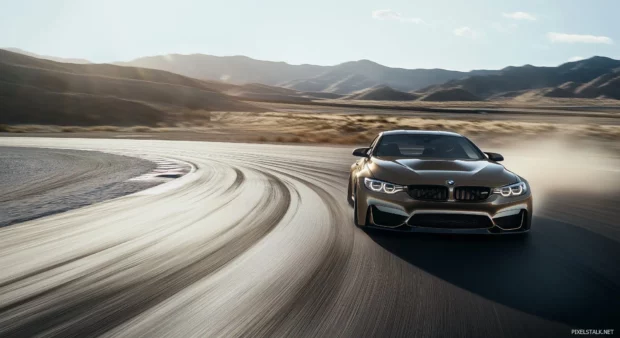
428,146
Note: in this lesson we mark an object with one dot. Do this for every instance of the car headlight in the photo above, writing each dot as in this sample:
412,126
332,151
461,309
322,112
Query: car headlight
384,187
516,189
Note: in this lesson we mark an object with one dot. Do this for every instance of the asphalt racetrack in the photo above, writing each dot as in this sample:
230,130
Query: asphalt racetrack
258,240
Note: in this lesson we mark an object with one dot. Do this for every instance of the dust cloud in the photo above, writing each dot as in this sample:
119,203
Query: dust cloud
559,165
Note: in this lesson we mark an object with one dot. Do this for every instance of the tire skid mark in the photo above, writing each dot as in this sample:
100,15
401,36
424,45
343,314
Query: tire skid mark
308,306
148,293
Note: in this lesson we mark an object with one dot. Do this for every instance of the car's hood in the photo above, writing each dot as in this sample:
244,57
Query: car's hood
411,171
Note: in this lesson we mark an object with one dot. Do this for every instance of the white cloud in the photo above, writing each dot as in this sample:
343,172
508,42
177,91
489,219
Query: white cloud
467,32
388,14
578,38
576,58
519,16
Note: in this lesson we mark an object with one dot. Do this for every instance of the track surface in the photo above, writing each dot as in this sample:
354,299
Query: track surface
41,182
259,242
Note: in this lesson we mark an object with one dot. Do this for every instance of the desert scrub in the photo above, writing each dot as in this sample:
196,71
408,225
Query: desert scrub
351,128
104,128
69,129
141,129
321,139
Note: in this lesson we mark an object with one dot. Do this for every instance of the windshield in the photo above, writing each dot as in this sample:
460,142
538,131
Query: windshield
428,146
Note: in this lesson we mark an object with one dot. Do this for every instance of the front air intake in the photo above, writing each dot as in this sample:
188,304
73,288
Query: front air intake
511,222
428,192
450,221
388,219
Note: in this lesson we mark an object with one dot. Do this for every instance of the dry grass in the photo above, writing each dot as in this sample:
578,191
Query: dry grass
506,103
104,128
141,129
355,129
334,128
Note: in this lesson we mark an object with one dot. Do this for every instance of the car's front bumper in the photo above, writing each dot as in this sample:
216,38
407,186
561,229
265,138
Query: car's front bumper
405,228
400,212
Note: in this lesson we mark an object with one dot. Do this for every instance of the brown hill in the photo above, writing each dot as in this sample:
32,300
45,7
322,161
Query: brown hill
261,92
108,70
536,94
104,94
381,93
570,86
604,86
452,94
335,81
31,105
323,95
557,92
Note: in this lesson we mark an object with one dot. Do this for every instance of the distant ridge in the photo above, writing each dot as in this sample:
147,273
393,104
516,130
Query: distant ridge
381,93
47,57
344,78
231,69
333,81
589,78
451,94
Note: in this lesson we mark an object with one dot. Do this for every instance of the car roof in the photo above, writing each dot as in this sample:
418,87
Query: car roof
419,132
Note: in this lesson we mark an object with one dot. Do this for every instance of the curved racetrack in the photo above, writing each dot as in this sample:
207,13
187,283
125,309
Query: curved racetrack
258,241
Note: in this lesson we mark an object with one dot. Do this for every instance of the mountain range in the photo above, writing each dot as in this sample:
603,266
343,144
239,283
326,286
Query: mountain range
596,77
365,80
250,79
344,78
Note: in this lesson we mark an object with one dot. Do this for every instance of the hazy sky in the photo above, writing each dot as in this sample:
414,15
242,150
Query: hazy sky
452,34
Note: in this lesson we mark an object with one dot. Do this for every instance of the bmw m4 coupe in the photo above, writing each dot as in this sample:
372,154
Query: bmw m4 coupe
428,181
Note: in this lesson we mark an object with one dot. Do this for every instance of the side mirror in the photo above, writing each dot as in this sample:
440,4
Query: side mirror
361,152
495,157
